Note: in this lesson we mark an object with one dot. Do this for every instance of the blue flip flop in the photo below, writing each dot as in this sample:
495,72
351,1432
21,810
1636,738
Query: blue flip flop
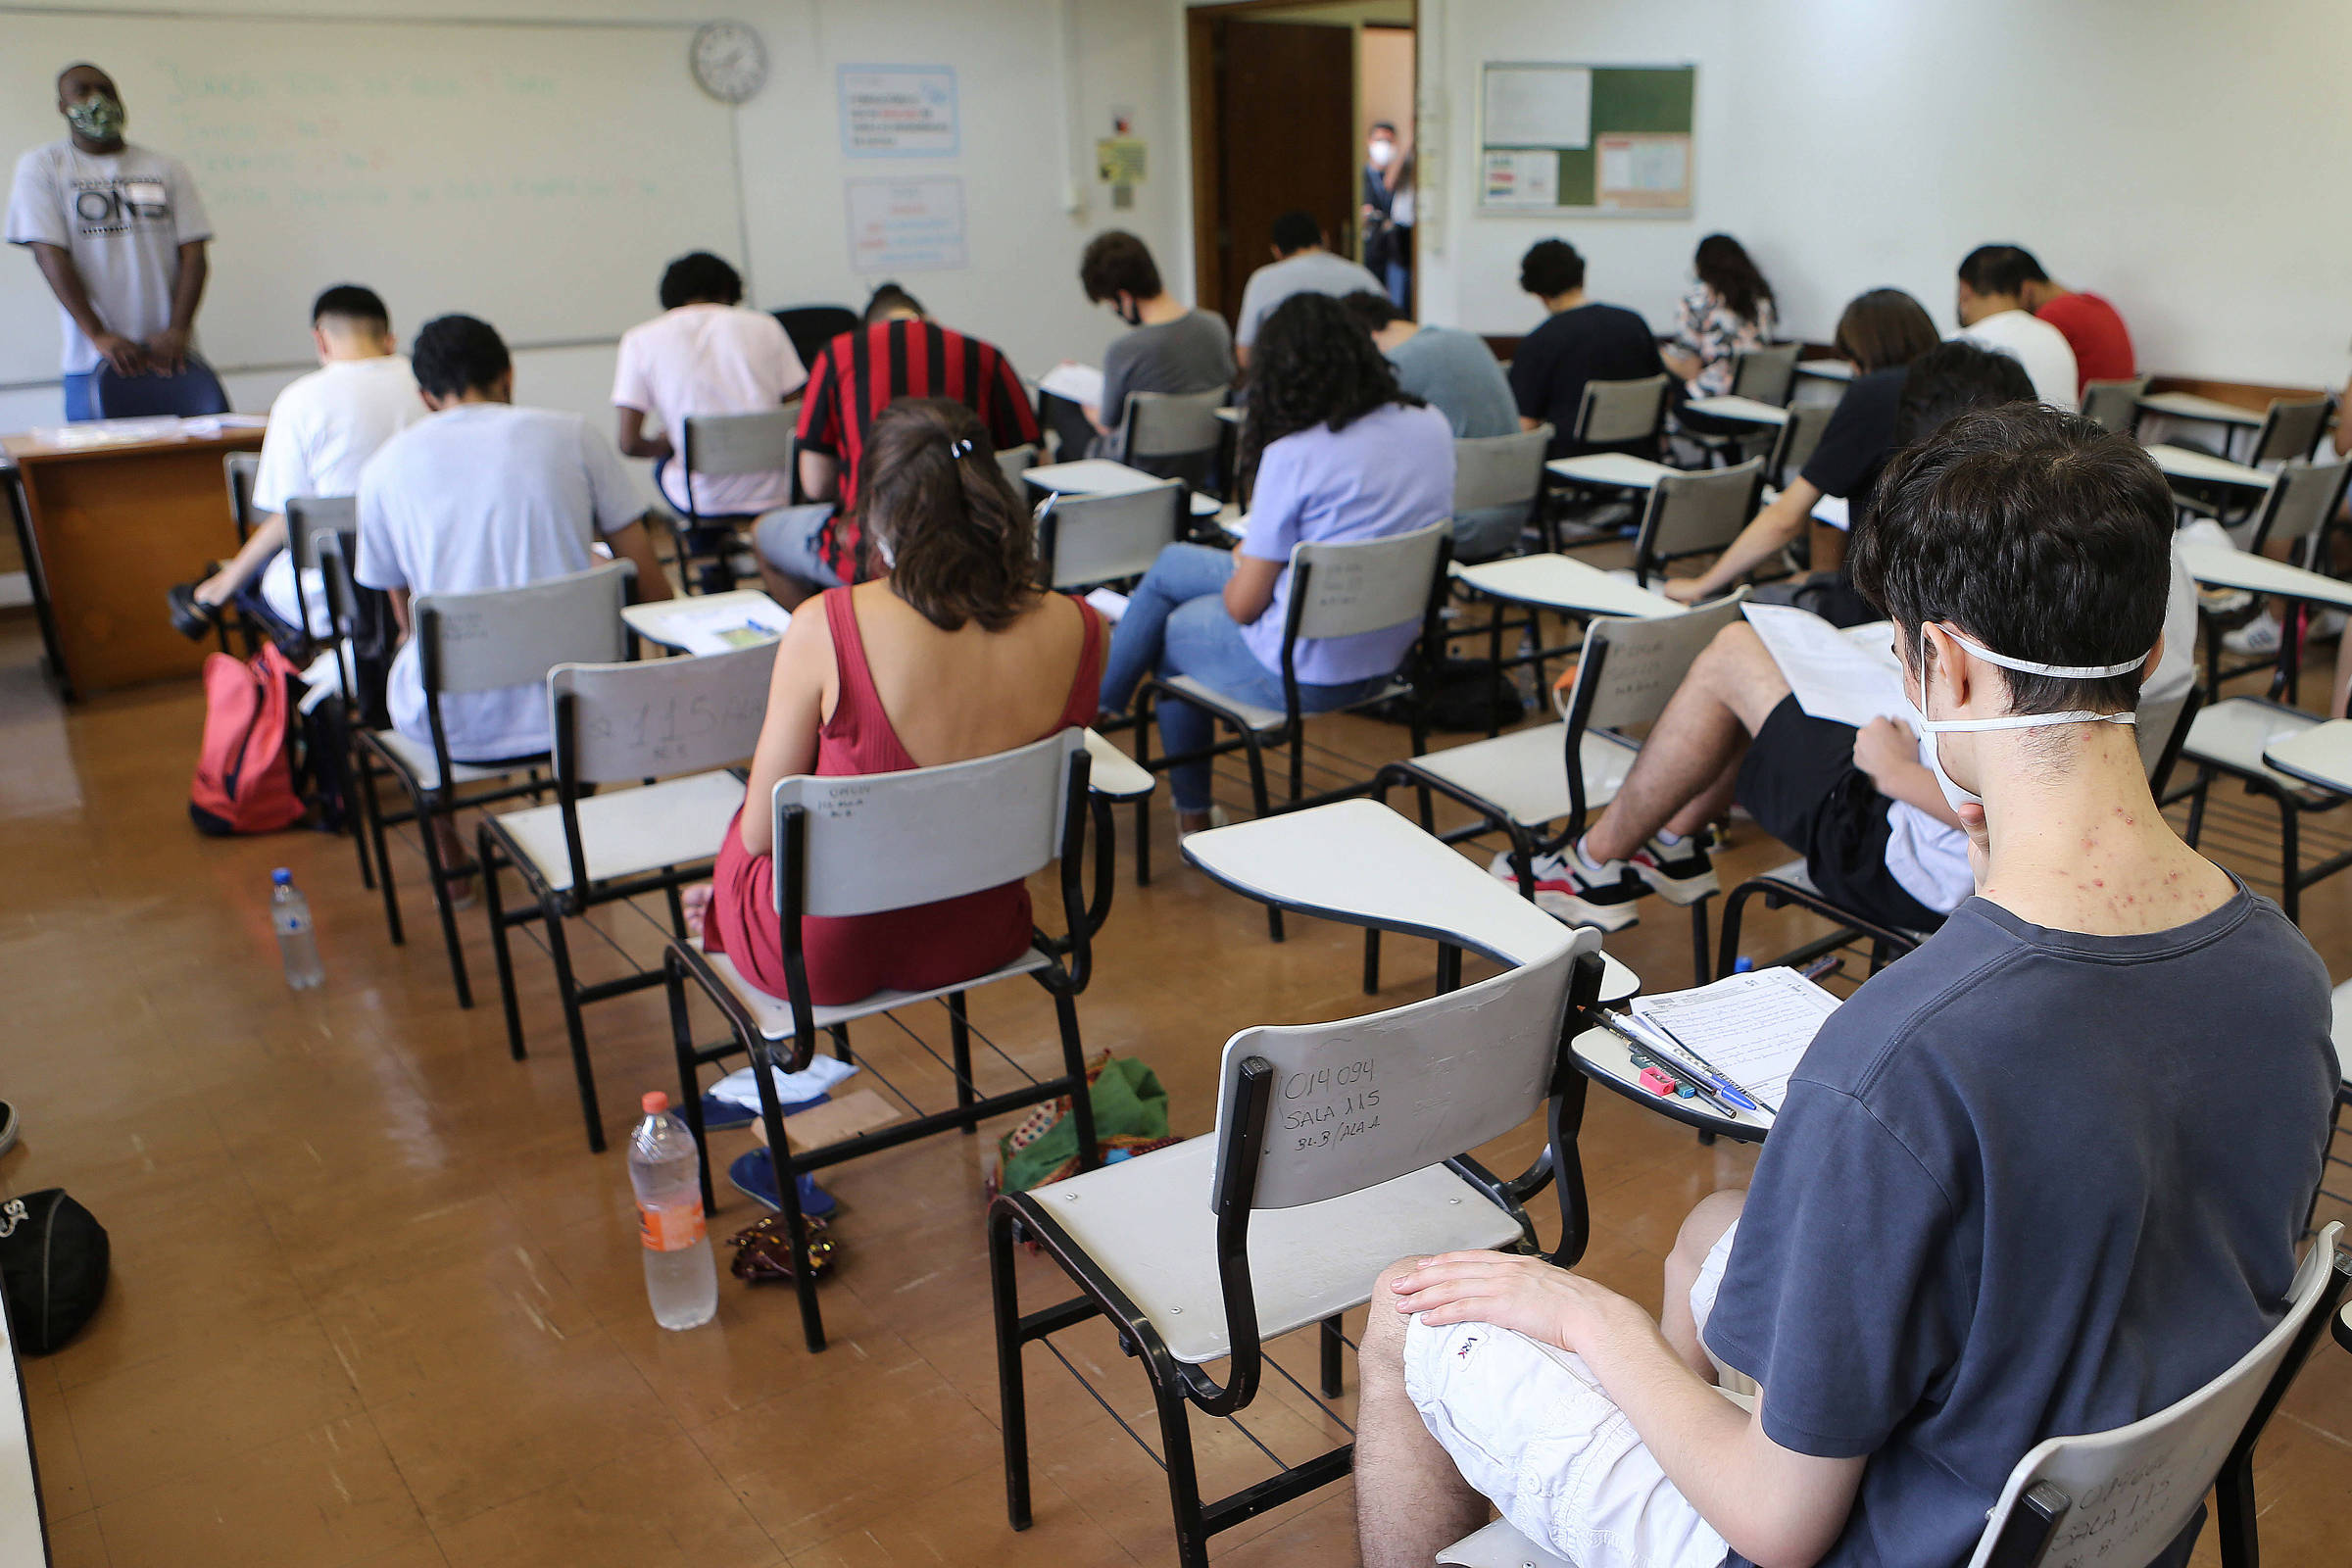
754,1175
724,1115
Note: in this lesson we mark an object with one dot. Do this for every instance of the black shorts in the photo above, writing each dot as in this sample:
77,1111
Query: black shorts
1799,782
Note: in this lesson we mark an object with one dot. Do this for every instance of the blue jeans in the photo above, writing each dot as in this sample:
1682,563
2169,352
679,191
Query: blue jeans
82,401
1176,624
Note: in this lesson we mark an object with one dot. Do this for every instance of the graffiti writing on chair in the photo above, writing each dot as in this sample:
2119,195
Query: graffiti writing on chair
659,734
1325,1108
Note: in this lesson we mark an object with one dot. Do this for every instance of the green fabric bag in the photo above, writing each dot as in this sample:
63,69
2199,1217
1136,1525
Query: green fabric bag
1129,1106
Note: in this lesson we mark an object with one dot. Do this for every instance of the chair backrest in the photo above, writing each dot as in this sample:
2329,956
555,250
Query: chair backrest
1614,412
1341,588
2291,429
1354,1103
716,444
656,717
890,841
1799,434
2115,405
1703,510
1631,667
2121,1497
1499,470
1172,424
2162,730
811,326
1768,374
1016,461
309,517
240,469
477,642
2302,498
1089,539
195,391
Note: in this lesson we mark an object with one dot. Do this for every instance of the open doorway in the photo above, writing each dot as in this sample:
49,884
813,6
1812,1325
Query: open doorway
1284,97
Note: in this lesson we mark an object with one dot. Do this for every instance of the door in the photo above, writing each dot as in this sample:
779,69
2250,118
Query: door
1285,129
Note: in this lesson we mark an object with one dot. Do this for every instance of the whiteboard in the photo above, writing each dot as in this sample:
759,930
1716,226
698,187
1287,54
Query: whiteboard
536,175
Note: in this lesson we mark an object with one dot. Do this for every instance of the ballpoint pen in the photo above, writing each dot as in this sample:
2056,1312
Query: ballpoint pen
1697,1082
1723,1080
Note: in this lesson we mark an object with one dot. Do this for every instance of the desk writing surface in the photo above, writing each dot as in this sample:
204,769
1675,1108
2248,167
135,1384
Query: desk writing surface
1565,583
2180,463
1610,469
2321,754
1826,370
2218,565
2189,406
657,622
1091,477
1751,411
1606,1056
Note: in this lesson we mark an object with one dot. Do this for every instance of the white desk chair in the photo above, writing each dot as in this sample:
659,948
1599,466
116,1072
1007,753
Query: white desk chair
1016,461
1335,590
873,843
1087,539
2342,1032
1175,435
713,446
2119,1497
480,642
2115,405
1498,471
2291,429
1520,783
240,471
310,521
1620,413
2298,510
1799,435
685,722
1204,1251
1695,515
1768,374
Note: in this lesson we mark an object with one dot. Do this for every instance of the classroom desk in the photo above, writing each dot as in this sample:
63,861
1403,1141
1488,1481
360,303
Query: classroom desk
2180,463
1565,584
1232,415
656,622
2203,410
2321,754
1826,370
1749,411
2219,566
1100,477
1613,471
109,529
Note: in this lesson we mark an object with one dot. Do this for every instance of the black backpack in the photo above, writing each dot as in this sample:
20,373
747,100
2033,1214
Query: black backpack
53,1261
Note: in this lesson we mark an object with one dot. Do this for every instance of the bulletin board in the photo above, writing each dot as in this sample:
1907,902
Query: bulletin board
1585,140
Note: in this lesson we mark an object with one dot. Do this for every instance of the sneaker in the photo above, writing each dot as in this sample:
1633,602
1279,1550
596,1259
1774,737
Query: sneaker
2258,637
754,1175
7,1126
1681,874
1566,891
191,617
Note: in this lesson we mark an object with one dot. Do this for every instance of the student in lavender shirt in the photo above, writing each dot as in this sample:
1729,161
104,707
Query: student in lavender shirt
1340,452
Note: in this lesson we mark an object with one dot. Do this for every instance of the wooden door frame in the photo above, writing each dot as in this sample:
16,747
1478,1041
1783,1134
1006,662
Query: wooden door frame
1201,82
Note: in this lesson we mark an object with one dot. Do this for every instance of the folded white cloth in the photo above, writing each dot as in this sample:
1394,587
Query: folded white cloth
741,1088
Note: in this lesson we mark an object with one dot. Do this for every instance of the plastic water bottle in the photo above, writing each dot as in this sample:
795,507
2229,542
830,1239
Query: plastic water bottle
680,1279
297,943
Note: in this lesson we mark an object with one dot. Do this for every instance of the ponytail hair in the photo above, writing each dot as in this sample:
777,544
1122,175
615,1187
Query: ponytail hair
934,507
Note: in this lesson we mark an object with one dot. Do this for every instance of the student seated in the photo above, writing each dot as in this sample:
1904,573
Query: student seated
1339,454
899,353
1171,348
1301,265
2045,1175
1879,333
322,429
2091,327
1992,304
1455,373
703,354
1579,341
954,653
1728,311
485,494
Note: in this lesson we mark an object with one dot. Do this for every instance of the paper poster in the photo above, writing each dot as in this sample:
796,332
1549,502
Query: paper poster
1120,160
1538,106
1520,180
1651,172
907,226
899,112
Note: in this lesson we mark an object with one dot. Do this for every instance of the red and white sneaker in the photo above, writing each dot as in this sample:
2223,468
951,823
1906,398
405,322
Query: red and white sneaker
1681,874
1567,891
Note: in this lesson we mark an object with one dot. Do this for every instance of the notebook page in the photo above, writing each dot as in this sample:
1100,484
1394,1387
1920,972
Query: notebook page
1753,1027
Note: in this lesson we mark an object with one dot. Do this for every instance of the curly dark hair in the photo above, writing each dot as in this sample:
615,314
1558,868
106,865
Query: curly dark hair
1312,364
454,354
963,547
700,275
1724,266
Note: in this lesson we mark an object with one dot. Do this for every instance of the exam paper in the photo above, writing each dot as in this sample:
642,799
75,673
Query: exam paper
723,628
1850,678
1080,383
1753,1027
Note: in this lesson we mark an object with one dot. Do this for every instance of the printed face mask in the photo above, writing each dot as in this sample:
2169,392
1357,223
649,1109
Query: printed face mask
1954,795
98,116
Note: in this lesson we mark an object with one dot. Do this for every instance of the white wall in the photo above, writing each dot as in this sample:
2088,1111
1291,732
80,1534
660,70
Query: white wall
2183,159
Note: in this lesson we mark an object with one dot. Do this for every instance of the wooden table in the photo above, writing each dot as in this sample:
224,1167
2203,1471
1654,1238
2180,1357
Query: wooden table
110,529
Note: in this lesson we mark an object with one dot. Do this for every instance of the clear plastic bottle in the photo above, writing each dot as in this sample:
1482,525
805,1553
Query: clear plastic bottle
680,1278
297,942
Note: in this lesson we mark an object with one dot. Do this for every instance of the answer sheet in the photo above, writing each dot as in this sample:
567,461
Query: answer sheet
1848,677
1753,1027
1080,383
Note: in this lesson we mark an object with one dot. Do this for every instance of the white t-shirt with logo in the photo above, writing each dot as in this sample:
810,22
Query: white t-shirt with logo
322,430
121,217
709,358
485,494
2048,358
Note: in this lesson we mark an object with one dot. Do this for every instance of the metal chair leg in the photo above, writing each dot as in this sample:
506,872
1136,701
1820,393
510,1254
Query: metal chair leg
1332,1344
690,1090
485,853
1013,1395
959,1045
575,1025
384,861
440,877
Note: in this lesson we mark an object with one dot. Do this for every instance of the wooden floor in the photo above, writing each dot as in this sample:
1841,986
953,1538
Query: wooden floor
373,1302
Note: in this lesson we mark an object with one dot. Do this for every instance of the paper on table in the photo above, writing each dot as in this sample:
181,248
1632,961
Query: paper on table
1080,383
1108,602
1836,512
210,426
1833,674
1753,1027
723,628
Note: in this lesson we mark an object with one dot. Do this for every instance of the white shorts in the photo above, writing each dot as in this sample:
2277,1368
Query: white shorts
277,592
1528,1425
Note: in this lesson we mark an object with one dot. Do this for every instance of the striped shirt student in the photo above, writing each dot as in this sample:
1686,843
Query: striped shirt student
899,353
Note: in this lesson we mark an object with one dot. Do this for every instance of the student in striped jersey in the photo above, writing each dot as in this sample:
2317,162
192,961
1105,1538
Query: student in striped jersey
899,353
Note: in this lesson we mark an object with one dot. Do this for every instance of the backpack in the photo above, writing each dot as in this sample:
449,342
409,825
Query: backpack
53,1264
245,779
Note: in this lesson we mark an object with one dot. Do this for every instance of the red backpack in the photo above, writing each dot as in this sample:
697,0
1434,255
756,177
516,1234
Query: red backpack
245,772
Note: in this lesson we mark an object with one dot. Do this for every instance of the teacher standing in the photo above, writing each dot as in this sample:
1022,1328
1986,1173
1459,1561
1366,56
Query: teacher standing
120,232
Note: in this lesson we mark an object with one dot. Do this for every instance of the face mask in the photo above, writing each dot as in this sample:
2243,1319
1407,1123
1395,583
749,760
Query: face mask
1954,795
1380,152
98,116
890,556
1127,312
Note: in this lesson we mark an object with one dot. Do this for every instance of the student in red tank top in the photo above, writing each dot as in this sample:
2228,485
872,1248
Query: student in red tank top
954,654
2091,326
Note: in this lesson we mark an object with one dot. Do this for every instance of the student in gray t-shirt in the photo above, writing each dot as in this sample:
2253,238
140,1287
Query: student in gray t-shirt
119,231
1173,349
1300,265
1454,372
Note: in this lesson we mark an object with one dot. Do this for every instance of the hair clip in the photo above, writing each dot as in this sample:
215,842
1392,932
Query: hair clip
961,447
